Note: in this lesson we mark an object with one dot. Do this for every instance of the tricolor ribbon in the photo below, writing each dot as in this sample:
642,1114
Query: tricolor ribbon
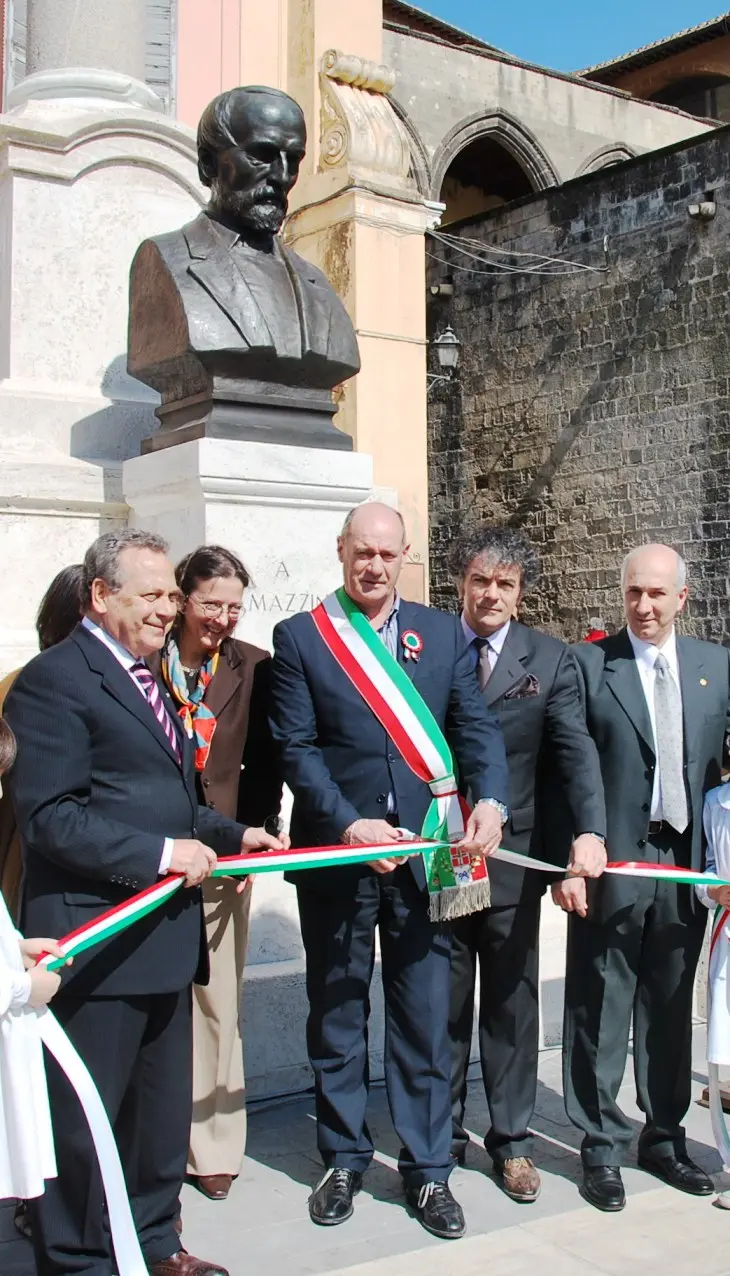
123,915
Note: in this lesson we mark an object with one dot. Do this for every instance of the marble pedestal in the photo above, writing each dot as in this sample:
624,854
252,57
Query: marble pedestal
280,509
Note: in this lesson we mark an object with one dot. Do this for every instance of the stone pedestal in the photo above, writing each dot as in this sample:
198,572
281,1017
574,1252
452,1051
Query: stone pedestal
280,509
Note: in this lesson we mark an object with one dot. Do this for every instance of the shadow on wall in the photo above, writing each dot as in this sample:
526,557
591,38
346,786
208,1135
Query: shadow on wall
115,433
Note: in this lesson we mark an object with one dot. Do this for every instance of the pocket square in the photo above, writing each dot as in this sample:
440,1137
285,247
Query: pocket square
525,689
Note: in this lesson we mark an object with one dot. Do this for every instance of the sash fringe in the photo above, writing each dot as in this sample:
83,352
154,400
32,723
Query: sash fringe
459,901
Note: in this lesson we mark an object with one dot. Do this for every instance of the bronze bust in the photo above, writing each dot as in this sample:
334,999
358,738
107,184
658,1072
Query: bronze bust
240,336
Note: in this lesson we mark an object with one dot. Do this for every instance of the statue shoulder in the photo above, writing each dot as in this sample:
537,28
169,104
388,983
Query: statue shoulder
172,246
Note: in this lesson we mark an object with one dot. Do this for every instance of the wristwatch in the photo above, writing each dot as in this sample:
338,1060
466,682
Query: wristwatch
498,806
589,833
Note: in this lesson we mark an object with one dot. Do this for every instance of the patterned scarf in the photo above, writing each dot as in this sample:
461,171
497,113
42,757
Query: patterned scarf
197,718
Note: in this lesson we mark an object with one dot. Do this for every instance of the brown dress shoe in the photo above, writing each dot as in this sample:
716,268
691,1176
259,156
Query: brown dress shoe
184,1264
215,1186
519,1178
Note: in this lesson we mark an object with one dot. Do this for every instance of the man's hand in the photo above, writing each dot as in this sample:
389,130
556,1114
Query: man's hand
257,839
587,856
483,831
32,949
720,894
370,832
571,895
192,858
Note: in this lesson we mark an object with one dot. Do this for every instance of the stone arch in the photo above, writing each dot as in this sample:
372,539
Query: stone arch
605,157
519,141
420,167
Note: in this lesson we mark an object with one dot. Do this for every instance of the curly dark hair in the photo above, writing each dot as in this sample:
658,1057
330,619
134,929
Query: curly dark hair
8,747
500,545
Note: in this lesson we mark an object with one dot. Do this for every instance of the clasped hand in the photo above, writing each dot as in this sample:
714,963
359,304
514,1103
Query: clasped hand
587,859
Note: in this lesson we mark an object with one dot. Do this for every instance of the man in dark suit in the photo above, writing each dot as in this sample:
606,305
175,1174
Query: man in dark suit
657,708
530,681
105,799
223,297
351,784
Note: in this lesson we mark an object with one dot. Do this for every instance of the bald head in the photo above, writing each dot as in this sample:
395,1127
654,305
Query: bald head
373,515
370,547
655,557
654,584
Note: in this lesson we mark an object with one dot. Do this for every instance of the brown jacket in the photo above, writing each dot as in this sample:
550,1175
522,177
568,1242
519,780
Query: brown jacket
242,778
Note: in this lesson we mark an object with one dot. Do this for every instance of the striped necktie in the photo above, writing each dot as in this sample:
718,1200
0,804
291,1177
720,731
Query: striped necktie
148,683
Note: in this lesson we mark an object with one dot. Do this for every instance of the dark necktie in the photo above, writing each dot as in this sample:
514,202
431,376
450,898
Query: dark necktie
148,683
483,667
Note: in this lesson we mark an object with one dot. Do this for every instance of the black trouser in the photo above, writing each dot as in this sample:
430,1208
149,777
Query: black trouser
339,941
504,942
139,1052
633,956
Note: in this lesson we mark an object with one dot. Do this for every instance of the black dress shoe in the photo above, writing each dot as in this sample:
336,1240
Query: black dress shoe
331,1200
436,1210
679,1172
603,1187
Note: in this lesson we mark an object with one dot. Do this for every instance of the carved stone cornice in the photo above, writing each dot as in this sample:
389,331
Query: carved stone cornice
359,127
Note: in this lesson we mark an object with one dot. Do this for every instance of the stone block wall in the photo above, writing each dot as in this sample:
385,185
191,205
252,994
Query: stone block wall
591,408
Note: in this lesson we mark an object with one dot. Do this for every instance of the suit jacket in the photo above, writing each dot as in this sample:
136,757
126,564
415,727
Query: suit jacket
242,777
618,720
534,691
338,760
96,788
190,301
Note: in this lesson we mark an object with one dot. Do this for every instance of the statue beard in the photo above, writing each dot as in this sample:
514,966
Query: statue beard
261,210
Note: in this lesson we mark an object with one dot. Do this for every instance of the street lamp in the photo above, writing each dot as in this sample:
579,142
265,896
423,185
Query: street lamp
447,347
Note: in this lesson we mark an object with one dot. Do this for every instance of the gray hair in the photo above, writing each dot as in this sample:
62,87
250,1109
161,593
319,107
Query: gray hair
499,545
348,521
101,560
681,578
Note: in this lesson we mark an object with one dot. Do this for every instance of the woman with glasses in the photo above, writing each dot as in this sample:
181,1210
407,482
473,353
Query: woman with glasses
220,688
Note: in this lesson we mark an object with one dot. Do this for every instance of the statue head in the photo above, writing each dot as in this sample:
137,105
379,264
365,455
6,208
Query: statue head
251,142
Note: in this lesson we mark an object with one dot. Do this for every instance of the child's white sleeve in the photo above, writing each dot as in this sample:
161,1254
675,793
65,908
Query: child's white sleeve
715,821
15,988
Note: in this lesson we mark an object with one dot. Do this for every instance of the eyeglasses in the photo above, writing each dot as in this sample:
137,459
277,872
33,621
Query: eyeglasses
214,610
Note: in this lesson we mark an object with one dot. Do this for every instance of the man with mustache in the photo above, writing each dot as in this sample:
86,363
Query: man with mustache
222,304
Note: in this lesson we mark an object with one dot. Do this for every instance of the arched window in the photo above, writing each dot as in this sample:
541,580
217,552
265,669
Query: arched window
706,95
481,176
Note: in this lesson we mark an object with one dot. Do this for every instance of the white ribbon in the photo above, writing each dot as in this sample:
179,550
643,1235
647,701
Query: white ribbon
128,1255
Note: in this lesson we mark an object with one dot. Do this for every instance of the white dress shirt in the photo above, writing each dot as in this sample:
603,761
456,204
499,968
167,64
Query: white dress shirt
126,660
496,640
645,654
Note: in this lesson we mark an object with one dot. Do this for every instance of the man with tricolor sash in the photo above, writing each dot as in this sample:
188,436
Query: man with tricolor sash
375,706
657,707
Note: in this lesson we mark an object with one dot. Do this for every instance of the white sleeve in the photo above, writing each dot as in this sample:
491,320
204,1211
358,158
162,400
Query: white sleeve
716,821
14,988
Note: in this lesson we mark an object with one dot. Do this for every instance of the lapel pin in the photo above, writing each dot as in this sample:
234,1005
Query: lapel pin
412,644
703,682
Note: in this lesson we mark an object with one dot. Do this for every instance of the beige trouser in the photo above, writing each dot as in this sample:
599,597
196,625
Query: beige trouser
218,1134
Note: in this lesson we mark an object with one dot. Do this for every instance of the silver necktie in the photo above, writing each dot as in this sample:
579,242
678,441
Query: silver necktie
670,746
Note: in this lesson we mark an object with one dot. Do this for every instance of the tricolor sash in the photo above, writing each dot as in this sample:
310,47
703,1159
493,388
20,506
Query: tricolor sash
457,883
